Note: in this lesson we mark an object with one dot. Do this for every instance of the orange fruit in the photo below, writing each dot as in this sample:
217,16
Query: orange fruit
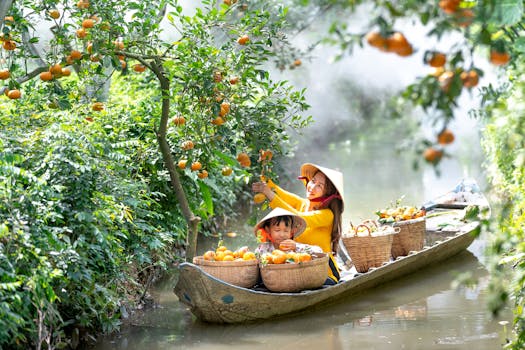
196,166
279,258
470,79
219,256
225,109
83,4
56,69
375,39
398,43
259,198
139,68
14,94
89,47
66,72
221,248
234,80
94,58
9,45
228,257
123,64
187,145
499,58
76,55
182,163
297,62
179,120
445,137
449,6
243,40
218,121
81,33
249,256
445,80
267,258
432,155
46,76
203,174
9,19
119,45
54,13
88,23
209,255
437,59
97,106
226,171
243,159
4,74
304,257
265,155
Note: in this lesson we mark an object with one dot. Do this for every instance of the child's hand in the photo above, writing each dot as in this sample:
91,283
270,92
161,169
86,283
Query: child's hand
287,245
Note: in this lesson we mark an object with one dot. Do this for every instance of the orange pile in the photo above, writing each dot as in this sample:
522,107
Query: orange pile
222,253
280,257
400,213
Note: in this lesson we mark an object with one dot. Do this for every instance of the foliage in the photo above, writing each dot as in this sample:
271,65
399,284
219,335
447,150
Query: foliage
90,208
504,144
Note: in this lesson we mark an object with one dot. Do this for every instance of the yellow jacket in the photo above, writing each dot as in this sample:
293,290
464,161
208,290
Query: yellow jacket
318,223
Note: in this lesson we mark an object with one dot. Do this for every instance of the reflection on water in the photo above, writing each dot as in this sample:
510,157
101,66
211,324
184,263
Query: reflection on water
419,311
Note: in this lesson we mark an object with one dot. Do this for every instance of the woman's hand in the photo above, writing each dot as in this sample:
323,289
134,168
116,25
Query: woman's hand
263,188
287,245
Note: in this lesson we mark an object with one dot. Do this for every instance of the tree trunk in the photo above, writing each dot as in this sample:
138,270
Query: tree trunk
192,220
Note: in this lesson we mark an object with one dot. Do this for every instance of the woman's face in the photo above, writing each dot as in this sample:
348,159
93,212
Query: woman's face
316,187
279,232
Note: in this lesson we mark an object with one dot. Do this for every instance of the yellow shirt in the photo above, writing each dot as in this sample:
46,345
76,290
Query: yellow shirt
318,223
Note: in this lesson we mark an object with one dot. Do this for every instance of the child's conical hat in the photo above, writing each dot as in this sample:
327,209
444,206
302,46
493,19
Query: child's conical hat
298,224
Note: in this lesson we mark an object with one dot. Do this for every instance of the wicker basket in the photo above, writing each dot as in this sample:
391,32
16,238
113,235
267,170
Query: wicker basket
410,237
371,250
243,273
296,277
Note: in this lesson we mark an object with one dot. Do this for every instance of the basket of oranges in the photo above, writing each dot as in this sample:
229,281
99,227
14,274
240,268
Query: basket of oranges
369,244
239,267
412,224
293,272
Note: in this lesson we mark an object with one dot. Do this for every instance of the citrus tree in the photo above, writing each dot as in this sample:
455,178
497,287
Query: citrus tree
124,123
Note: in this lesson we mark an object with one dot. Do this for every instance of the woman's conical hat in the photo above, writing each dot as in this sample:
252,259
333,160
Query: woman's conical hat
308,171
298,224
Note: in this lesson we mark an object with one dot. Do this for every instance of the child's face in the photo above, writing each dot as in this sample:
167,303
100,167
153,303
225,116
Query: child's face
279,232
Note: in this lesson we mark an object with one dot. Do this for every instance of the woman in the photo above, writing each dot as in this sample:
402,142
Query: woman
321,209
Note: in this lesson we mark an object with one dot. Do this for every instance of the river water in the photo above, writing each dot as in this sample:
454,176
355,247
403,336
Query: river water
424,310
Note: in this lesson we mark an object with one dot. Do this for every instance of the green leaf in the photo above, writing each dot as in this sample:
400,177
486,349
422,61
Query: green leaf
507,12
519,44
206,196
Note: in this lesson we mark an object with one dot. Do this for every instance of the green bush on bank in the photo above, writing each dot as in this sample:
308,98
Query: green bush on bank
504,144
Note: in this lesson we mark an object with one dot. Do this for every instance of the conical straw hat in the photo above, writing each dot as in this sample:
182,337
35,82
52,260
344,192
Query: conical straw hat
308,171
298,224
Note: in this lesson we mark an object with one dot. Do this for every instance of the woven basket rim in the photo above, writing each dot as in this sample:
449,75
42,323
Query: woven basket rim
316,261
408,222
199,260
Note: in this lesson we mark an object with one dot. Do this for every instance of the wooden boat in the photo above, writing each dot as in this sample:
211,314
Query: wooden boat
215,301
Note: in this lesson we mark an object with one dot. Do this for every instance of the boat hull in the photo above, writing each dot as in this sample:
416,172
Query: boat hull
215,301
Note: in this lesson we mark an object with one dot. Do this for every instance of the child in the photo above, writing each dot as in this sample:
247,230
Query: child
278,229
